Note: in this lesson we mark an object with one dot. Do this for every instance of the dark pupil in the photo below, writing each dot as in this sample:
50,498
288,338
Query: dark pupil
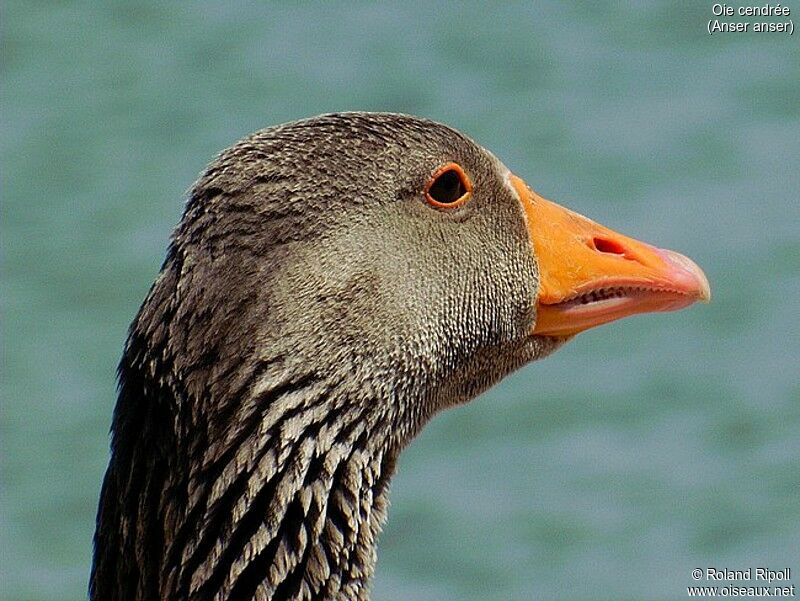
447,188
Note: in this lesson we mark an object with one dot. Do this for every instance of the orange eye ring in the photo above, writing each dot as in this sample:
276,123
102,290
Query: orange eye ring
449,187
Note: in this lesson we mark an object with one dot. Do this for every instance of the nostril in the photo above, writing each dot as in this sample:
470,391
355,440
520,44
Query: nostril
604,245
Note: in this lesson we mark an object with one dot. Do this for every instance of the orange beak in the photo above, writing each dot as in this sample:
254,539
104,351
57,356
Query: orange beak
590,275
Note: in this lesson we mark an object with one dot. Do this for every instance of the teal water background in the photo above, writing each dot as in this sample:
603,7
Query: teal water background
638,452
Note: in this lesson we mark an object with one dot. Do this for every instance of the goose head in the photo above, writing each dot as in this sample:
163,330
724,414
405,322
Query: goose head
333,283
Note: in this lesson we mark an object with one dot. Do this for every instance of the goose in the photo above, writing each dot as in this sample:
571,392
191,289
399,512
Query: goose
332,284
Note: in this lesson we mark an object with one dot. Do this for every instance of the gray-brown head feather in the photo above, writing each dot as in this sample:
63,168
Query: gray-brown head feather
311,314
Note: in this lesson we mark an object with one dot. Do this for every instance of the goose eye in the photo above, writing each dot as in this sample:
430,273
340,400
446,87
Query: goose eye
448,187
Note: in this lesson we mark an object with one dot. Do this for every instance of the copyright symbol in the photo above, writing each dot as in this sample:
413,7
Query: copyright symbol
697,574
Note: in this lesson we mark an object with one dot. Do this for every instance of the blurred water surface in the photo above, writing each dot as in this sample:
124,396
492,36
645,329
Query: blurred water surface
638,452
